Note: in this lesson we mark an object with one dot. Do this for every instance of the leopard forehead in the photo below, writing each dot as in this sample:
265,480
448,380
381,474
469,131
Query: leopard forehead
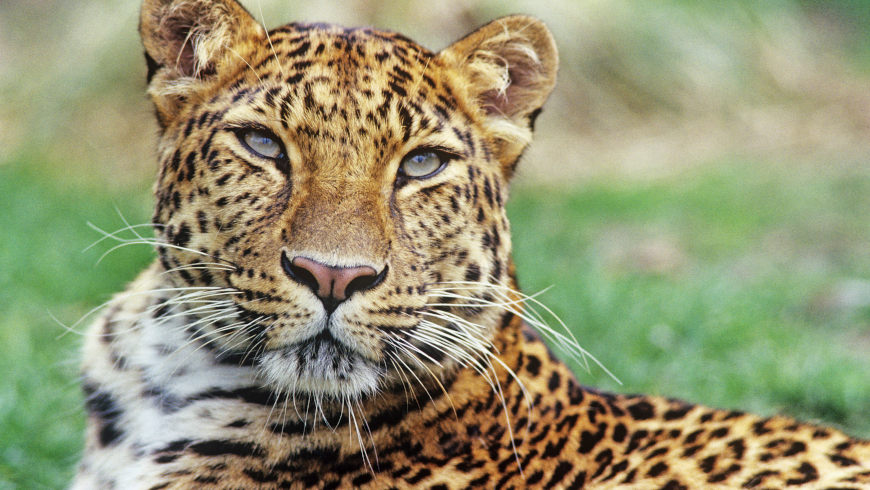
340,85
337,93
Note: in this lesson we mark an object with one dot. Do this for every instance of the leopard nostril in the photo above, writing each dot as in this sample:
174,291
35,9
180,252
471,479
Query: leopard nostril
331,284
299,274
363,282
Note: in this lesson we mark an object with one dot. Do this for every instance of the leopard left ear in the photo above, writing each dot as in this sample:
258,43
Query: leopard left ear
509,68
188,43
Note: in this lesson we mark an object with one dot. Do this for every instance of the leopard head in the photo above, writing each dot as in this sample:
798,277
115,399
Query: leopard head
335,197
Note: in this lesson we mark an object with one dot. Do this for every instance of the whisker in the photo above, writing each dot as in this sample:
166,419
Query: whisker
231,50
120,298
115,234
140,240
200,266
269,38
525,308
405,345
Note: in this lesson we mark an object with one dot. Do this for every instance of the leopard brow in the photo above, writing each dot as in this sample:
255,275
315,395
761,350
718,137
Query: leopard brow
447,150
235,126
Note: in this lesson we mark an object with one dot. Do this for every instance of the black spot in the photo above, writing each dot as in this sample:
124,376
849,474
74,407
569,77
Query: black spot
656,453
166,458
578,482
472,273
554,449
487,191
217,447
479,482
738,448
707,464
260,476
554,381
588,440
842,460
419,476
629,478
104,408
723,475
691,450
203,221
693,436
719,433
795,448
302,49
533,365
674,485
182,236
202,119
575,393
604,458
635,440
362,479
677,413
395,87
619,433
562,469
175,161
569,421
496,269
657,469
641,411
758,478
533,478
189,163
821,433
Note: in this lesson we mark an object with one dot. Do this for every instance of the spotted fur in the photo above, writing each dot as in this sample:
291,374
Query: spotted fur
225,366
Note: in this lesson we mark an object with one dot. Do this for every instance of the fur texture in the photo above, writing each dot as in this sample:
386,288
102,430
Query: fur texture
294,159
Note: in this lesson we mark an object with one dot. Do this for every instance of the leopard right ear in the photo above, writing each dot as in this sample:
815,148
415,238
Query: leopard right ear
509,69
189,42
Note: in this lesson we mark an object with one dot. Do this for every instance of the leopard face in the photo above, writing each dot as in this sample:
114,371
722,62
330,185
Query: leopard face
334,198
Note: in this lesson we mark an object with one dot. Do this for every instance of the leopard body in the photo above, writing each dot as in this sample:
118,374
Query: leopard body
334,302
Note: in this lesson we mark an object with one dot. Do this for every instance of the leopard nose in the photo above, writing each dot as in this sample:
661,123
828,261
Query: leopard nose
331,284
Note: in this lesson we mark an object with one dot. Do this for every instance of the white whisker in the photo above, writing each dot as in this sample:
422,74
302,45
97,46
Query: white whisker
524,306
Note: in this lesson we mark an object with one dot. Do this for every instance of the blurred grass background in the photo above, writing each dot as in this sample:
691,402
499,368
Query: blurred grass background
697,196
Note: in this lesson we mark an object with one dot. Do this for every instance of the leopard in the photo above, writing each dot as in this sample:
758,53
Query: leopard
334,303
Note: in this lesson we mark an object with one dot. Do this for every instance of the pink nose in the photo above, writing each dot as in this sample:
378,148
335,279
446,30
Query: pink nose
333,284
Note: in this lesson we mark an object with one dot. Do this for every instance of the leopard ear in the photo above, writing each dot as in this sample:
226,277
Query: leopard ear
509,68
188,42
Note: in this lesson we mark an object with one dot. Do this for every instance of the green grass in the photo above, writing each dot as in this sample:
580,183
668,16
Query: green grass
44,273
710,286
737,308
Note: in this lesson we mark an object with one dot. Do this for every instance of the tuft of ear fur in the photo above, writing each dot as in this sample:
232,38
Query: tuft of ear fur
187,42
509,67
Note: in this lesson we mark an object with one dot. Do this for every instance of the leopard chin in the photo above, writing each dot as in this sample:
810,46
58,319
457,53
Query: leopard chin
320,366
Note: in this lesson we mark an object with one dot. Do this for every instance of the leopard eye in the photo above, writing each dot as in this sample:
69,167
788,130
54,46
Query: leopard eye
262,143
422,164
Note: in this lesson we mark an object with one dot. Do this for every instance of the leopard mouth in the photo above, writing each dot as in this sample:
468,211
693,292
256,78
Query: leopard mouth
322,347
